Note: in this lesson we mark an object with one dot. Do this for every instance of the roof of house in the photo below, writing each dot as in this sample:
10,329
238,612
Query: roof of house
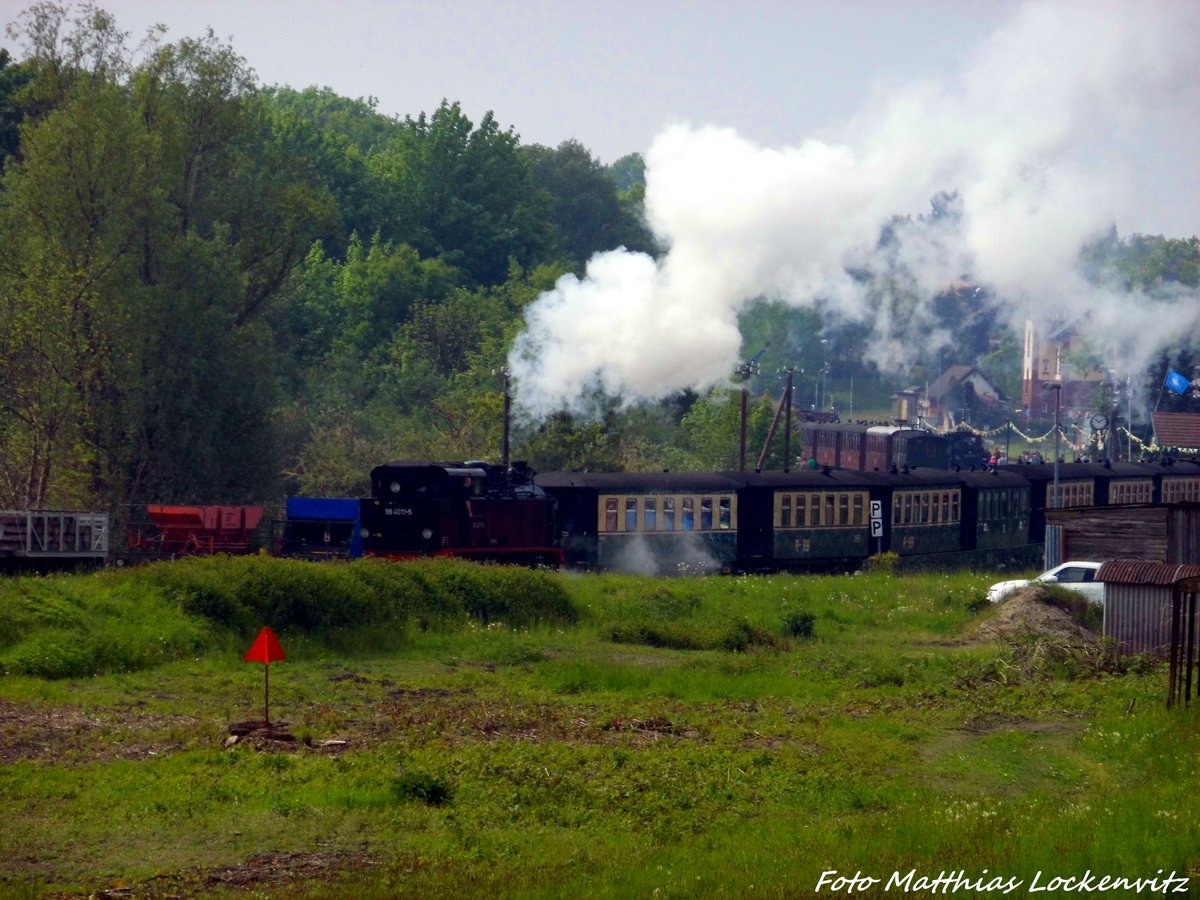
1178,430
952,378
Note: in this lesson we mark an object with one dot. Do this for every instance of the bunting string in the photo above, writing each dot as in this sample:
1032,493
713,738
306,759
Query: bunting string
1123,433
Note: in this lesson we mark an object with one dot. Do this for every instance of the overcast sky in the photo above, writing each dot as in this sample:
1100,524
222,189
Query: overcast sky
612,73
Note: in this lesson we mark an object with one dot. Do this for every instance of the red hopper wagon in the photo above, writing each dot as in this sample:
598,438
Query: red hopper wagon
196,530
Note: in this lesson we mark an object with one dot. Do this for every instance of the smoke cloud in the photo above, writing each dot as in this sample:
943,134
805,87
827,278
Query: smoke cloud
1029,139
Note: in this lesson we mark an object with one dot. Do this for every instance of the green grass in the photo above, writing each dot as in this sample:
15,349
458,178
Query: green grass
470,731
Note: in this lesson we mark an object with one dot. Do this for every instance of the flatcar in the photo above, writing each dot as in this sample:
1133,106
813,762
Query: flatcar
44,540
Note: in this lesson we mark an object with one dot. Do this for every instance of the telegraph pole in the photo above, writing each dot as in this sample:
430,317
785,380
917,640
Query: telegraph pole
746,370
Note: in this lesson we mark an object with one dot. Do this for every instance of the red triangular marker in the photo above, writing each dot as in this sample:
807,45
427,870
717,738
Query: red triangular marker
265,648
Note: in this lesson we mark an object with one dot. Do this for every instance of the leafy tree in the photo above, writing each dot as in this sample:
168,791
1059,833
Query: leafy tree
584,206
339,135
564,444
712,428
461,194
13,78
357,121
69,216
379,286
156,215
628,172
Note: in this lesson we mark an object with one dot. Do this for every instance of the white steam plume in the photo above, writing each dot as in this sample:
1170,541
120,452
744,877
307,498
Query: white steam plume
1028,137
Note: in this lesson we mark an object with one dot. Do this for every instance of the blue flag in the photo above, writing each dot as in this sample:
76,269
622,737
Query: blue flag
1177,382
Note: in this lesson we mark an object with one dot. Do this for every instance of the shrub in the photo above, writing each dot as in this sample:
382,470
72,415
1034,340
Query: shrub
882,563
742,636
429,789
662,635
799,623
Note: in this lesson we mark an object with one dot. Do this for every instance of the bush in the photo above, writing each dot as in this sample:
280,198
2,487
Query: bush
429,789
743,636
882,563
244,593
799,623
654,635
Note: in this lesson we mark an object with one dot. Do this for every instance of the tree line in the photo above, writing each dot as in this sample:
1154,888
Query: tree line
213,291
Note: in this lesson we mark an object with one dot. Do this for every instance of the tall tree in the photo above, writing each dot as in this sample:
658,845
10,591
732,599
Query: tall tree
584,205
462,194
13,78
155,215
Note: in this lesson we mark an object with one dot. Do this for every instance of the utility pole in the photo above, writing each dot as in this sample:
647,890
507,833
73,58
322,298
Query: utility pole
746,370
784,403
1055,386
787,427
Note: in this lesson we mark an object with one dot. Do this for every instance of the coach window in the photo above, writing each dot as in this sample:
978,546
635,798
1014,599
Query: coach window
668,514
610,514
830,510
689,513
706,520
651,513
785,510
843,509
1181,490
725,511
631,505
955,513
860,512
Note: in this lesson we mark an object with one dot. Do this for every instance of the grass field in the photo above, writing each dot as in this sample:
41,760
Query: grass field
490,732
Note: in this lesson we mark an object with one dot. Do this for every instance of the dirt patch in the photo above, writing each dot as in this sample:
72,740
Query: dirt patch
266,871
1023,614
64,733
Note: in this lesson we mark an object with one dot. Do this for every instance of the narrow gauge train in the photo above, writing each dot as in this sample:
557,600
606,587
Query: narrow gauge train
811,519
879,448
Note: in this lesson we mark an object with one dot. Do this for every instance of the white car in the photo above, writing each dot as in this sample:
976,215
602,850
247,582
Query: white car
1077,576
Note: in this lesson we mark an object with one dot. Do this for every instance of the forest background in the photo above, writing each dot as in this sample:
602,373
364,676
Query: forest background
214,291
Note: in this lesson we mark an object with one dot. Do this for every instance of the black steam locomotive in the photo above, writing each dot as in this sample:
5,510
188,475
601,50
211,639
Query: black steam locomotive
472,510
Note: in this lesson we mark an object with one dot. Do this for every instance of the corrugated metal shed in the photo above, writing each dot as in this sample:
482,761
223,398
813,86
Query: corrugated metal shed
1138,602
1144,572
